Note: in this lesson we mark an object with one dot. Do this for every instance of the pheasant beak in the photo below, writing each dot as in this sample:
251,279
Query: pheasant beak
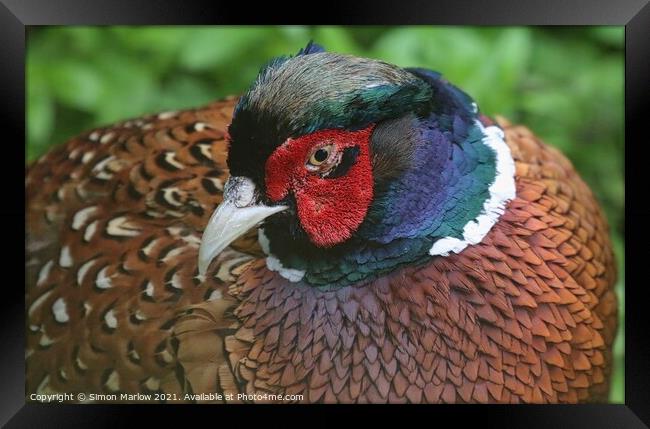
239,212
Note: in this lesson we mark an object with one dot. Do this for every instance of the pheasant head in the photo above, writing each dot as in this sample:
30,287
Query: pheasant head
354,167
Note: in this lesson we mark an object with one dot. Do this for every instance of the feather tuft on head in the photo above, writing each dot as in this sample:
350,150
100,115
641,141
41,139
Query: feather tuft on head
311,48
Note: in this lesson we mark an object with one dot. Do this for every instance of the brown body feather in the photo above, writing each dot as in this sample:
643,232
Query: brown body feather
115,303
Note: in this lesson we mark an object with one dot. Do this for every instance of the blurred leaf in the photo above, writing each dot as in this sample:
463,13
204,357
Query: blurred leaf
158,40
76,83
399,46
159,46
130,88
296,33
613,36
40,109
335,39
185,92
496,81
41,118
84,40
209,47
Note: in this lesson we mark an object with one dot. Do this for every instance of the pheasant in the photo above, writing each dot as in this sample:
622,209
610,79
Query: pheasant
345,231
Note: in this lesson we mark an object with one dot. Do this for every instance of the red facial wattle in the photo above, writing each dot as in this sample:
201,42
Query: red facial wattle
329,209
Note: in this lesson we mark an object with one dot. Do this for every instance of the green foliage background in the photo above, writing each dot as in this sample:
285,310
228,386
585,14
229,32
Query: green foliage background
565,83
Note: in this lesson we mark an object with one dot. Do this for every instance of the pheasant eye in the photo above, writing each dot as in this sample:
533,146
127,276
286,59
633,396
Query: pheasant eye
320,156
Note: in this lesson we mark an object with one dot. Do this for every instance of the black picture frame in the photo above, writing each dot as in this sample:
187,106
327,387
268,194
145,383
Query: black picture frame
17,15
